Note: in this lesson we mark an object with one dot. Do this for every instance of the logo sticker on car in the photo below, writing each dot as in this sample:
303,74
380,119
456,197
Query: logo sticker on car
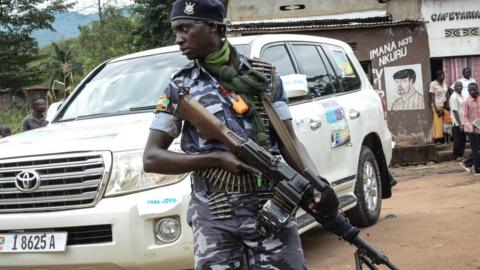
157,205
337,123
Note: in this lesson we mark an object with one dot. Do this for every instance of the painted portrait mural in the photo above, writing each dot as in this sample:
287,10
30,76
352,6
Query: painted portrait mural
404,87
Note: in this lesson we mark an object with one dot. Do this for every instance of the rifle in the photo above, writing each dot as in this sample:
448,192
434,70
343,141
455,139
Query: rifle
293,189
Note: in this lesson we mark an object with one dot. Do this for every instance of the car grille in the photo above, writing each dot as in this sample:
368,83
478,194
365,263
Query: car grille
67,181
82,235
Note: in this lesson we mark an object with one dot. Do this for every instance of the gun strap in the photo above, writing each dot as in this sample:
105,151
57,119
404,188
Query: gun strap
278,125
283,133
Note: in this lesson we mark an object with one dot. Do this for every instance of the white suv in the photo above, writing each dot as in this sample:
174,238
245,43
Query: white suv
74,195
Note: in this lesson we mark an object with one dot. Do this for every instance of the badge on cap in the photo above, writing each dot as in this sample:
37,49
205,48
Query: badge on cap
189,8
162,104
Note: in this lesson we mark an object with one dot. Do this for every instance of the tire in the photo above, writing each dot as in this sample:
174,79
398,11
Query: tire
368,190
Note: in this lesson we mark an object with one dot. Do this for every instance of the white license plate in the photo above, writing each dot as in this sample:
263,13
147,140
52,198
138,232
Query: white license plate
33,242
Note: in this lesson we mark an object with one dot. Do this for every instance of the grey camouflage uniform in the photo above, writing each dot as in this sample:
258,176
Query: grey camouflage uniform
225,243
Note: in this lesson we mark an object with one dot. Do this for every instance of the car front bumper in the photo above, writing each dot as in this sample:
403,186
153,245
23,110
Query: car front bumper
133,245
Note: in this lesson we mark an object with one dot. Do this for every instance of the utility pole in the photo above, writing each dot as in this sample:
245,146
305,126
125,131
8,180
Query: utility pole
102,36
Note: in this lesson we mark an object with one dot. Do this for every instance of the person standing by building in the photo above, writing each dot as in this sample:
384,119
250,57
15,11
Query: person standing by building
465,80
438,91
471,119
456,100
223,222
447,123
37,118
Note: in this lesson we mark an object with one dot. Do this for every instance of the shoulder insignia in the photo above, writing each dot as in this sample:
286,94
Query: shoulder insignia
162,104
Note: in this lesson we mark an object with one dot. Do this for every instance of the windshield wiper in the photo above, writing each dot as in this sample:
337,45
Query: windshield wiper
95,115
143,108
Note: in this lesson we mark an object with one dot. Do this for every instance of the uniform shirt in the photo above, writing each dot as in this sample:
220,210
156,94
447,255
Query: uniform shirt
30,122
455,102
471,113
440,91
465,83
205,90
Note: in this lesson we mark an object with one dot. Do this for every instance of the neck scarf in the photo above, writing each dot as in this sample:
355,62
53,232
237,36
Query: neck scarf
249,86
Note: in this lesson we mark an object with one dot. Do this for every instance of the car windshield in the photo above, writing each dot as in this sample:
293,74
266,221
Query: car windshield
125,86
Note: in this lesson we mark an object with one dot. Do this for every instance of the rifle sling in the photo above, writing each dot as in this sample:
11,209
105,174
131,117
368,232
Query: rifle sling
283,134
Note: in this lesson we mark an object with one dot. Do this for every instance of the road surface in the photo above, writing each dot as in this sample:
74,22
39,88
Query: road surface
432,221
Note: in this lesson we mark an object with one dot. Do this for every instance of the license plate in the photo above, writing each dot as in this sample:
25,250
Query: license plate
33,242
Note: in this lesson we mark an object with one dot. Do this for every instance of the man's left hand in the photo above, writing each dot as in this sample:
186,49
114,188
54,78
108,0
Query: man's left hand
324,203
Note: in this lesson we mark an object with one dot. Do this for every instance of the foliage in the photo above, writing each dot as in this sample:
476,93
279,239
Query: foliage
117,36
18,19
152,23
14,118
62,60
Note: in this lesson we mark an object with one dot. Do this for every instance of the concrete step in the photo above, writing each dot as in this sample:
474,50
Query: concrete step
414,154
421,154
446,155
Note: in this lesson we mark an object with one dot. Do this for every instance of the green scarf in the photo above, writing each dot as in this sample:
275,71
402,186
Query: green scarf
249,86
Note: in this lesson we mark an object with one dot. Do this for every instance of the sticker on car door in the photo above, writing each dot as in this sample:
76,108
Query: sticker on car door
302,125
337,124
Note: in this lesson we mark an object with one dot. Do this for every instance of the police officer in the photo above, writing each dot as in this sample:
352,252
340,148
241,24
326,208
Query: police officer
226,193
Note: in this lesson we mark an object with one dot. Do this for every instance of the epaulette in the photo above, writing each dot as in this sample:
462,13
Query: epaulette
187,67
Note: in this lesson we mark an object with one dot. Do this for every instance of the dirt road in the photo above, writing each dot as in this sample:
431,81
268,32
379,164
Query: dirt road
431,222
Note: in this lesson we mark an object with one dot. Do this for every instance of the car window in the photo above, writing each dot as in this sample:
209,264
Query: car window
243,49
346,73
279,57
311,64
125,86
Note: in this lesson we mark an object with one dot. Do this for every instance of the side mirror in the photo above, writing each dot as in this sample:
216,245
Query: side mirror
295,85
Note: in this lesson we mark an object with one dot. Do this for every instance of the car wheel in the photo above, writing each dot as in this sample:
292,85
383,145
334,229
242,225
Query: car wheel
368,191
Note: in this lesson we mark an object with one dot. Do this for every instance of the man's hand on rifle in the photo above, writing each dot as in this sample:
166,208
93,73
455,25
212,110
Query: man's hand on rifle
324,203
233,164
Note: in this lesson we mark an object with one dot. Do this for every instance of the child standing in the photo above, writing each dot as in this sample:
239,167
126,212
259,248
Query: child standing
471,112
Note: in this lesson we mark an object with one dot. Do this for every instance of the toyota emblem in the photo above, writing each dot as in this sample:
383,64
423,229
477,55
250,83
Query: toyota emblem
27,181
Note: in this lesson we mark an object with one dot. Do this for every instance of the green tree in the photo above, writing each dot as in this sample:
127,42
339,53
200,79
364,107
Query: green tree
117,38
152,23
18,19
63,64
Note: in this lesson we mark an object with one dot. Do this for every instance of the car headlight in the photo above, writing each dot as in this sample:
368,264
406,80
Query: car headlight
128,175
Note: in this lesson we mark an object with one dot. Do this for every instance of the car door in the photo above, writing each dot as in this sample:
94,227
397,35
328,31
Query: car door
355,105
321,82
307,119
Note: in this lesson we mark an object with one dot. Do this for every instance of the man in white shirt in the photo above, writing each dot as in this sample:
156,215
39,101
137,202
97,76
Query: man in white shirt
466,80
455,103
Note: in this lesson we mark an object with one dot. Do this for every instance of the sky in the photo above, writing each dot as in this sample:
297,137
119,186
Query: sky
90,6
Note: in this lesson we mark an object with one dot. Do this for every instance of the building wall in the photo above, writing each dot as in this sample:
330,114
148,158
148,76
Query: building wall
5,101
404,9
8,100
275,9
453,27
